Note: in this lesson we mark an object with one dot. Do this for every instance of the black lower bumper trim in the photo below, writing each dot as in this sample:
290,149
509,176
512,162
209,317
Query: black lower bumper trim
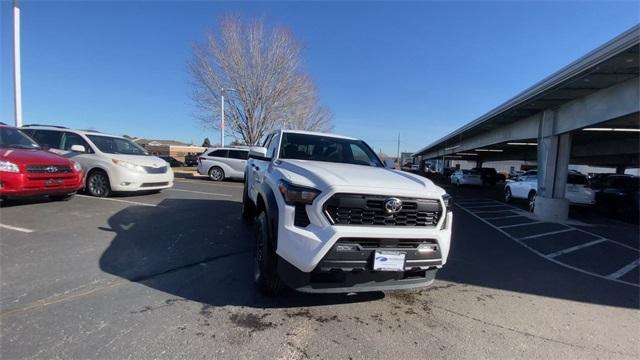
352,281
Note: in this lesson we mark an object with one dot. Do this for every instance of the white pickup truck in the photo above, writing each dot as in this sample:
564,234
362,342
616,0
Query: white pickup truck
331,217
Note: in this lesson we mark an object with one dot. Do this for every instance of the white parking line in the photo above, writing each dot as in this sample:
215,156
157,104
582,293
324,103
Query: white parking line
210,183
574,248
505,217
519,241
524,224
118,200
480,202
613,241
201,192
15,228
486,211
545,234
485,206
625,269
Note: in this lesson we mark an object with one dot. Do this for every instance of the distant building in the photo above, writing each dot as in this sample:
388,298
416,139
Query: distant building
173,148
406,157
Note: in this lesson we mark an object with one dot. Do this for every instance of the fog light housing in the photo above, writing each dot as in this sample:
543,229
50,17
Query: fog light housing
124,183
346,247
427,248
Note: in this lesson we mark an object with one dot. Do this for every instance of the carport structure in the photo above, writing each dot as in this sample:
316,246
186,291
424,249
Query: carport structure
586,113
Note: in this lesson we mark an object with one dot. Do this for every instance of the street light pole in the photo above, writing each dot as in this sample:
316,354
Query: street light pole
222,118
17,82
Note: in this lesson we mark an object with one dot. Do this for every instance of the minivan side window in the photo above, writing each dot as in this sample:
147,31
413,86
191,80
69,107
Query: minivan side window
218,153
239,154
48,138
71,139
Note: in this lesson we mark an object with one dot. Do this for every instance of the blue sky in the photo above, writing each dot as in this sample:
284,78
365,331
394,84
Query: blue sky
419,68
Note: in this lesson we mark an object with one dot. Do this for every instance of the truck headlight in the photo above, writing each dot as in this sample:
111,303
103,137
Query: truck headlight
8,166
128,165
77,167
448,202
295,194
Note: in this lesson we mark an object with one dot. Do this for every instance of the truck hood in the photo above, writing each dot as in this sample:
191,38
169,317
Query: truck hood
32,157
327,175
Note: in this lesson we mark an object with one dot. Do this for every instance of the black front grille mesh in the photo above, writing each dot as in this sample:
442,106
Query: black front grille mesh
373,243
48,169
352,209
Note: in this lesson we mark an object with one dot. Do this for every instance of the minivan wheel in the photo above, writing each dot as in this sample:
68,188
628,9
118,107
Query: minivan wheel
532,201
265,265
216,173
98,184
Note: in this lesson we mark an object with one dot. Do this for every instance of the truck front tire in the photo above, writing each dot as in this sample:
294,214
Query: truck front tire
248,209
265,271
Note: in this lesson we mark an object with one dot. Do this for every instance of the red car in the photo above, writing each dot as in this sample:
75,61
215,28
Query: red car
26,170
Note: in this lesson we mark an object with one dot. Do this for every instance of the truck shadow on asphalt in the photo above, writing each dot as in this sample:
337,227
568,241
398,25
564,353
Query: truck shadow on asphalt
200,250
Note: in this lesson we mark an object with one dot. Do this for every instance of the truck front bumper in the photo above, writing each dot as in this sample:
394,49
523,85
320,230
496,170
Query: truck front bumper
338,281
348,266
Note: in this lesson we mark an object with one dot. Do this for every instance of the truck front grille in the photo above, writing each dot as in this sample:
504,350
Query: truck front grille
357,209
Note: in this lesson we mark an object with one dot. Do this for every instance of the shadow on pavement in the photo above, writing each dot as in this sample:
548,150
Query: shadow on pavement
199,250
483,257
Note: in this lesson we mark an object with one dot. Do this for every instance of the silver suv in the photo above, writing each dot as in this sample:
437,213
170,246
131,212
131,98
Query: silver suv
223,163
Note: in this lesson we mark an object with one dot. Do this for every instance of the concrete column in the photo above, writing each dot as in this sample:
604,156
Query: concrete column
620,169
554,152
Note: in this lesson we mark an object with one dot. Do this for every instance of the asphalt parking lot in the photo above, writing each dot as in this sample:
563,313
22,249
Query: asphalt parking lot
169,275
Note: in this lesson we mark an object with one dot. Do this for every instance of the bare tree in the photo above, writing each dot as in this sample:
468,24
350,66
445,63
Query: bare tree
260,74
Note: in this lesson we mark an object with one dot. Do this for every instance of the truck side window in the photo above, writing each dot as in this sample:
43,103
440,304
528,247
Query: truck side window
273,145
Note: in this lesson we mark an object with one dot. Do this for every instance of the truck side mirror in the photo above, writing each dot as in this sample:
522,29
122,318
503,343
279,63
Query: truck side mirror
389,164
259,153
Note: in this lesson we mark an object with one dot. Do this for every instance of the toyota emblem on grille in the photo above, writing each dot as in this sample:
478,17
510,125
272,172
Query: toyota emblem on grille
393,205
51,169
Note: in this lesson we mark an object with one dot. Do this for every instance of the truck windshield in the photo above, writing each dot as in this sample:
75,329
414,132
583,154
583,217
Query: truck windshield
14,138
328,149
113,145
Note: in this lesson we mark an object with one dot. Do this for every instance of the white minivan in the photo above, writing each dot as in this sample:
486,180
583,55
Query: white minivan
112,163
223,163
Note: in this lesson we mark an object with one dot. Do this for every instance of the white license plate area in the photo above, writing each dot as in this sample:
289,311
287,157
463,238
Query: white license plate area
388,261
